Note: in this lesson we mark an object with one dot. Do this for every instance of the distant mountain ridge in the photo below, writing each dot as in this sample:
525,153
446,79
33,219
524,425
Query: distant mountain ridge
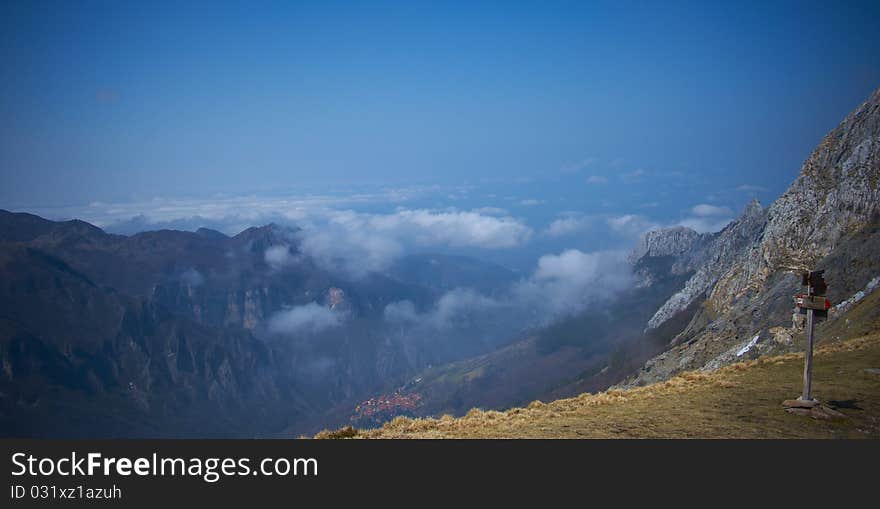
165,333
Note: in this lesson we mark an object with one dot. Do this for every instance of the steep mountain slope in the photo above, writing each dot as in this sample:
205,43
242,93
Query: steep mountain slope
81,360
824,220
702,300
585,352
167,333
739,401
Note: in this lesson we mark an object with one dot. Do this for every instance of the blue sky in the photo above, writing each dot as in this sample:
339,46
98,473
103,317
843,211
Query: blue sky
549,110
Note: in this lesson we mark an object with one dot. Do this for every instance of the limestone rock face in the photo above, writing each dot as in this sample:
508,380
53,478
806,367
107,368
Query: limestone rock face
665,242
836,193
747,272
712,261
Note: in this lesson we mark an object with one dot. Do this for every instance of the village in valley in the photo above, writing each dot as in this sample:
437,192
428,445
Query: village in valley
382,408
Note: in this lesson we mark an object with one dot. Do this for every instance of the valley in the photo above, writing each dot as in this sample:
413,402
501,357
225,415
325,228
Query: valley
171,333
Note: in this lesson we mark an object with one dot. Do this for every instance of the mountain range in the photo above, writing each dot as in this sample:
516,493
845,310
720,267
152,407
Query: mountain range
200,334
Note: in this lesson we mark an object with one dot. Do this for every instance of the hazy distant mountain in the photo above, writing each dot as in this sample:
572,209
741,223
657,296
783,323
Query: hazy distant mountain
168,332
174,333
447,272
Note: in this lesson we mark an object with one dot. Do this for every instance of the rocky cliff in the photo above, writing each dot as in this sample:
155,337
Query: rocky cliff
673,241
711,260
744,277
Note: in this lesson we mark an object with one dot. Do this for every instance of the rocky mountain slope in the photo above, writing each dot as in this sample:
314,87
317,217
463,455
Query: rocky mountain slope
166,333
702,301
170,333
585,352
746,275
742,400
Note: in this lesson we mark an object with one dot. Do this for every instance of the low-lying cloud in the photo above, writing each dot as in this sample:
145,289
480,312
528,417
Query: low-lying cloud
192,277
280,256
567,283
562,285
568,225
308,318
357,242
457,308
707,218
334,230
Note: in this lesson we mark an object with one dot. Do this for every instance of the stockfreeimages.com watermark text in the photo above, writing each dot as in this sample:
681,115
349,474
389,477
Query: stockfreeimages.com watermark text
208,469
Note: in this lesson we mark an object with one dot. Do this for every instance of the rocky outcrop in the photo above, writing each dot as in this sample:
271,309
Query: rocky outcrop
712,261
747,274
836,193
664,242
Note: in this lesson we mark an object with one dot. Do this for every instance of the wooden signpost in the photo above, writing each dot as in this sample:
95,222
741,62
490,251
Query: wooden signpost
815,305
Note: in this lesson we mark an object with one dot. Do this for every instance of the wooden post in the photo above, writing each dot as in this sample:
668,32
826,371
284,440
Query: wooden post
808,360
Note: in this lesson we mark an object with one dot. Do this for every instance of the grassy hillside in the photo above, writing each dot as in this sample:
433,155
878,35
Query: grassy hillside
739,401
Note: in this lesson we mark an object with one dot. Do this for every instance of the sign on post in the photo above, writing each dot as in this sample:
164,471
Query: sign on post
815,305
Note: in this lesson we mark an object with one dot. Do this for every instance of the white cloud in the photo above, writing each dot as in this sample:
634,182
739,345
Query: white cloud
705,210
338,238
530,202
403,311
192,277
357,242
458,303
279,256
457,308
707,218
631,225
491,211
597,179
568,225
567,283
703,218
705,224
309,318
561,285
229,214
638,173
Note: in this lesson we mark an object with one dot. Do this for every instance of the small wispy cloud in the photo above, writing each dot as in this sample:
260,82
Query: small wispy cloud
748,188
706,218
279,256
308,318
597,179
631,225
706,210
491,211
568,225
637,173
578,166
530,202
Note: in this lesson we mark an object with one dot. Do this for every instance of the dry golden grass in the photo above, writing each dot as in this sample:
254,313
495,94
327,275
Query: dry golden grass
738,401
